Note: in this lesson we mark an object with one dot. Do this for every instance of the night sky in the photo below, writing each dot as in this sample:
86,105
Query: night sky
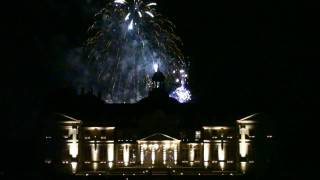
244,55
257,55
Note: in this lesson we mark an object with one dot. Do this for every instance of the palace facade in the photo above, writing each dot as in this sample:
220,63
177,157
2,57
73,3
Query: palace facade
156,136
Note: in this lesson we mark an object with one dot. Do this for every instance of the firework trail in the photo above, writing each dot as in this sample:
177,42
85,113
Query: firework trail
127,39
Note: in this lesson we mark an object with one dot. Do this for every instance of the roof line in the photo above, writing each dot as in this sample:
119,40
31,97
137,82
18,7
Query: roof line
159,134
248,117
68,117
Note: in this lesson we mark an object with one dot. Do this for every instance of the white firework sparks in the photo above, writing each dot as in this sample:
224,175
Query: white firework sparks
131,41
155,67
135,10
150,14
130,27
181,94
120,1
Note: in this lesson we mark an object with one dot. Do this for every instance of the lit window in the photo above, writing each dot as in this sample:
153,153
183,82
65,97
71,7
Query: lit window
65,162
198,134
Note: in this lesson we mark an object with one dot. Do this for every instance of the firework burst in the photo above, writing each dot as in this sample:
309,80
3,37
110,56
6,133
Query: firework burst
126,40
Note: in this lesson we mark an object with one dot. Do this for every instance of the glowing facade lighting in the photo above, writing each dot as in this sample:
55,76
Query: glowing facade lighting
221,155
243,145
94,152
206,154
73,147
164,151
126,154
95,166
153,148
99,128
74,167
243,148
243,166
269,136
153,155
142,148
175,154
191,153
215,127
247,119
110,150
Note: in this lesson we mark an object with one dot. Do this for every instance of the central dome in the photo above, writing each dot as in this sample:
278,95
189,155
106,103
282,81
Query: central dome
158,77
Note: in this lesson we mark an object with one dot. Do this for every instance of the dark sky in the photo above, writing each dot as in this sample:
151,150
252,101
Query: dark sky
242,53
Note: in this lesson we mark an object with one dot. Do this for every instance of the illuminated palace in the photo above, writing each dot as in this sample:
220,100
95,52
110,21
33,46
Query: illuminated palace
155,136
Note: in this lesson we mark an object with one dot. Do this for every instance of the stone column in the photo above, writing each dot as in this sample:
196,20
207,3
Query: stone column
175,154
206,154
141,154
126,154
